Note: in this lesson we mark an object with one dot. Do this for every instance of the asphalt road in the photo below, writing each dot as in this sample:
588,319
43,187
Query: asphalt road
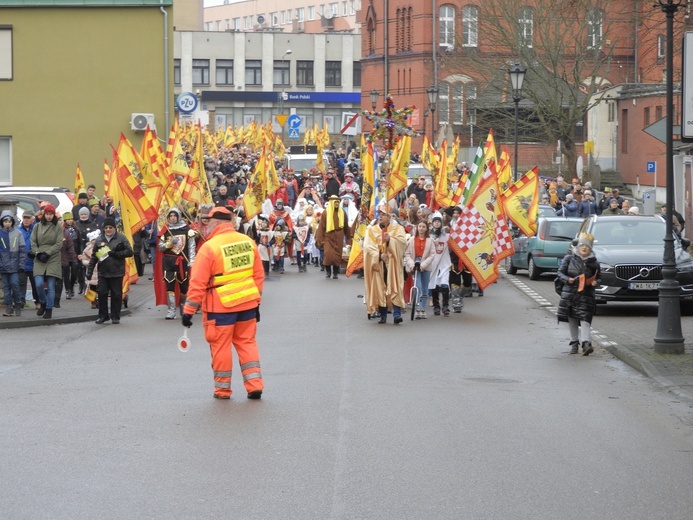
481,415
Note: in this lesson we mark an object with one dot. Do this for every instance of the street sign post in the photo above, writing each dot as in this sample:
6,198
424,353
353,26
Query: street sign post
294,126
652,168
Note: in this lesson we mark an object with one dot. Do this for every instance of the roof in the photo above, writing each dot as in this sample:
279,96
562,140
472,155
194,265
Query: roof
86,3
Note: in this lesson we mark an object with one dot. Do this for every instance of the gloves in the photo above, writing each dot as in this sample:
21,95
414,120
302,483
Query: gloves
257,314
417,266
187,320
119,247
31,255
42,257
21,270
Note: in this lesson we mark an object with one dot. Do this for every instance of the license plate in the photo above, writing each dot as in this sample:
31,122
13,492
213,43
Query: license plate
643,286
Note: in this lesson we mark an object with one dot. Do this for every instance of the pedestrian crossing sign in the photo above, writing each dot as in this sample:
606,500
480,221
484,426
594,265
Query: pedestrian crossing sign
293,133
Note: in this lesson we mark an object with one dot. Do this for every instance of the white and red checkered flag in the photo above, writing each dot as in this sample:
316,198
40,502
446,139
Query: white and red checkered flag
502,240
467,229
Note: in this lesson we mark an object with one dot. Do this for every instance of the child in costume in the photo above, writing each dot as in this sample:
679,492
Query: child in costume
301,237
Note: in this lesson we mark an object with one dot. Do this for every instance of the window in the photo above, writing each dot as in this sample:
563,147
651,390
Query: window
300,14
471,112
282,73
288,16
443,103
470,26
594,28
623,130
446,17
208,26
352,7
334,7
200,72
333,73
253,72
283,17
612,111
5,53
304,73
236,24
457,104
526,22
224,72
274,19
658,113
661,46
176,71
218,25
228,24
248,22
345,8
311,12
646,116
5,160
357,74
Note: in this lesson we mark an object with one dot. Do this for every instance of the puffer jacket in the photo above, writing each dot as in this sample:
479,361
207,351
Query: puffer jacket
114,265
12,247
579,305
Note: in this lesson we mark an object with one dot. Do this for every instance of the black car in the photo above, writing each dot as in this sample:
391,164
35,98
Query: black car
630,250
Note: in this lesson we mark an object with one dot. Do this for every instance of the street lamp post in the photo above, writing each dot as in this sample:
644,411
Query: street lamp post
374,98
282,95
669,337
517,78
432,100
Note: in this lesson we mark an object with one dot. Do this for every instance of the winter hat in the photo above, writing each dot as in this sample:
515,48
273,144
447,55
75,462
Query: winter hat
633,210
585,239
109,221
436,216
569,196
82,195
94,235
28,213
93,202
48,208
68,215
220,213
83,211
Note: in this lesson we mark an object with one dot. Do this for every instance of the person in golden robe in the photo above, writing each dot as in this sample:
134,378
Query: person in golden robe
383,260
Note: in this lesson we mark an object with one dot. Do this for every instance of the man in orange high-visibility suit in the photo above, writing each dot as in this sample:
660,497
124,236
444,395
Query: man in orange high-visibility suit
226,281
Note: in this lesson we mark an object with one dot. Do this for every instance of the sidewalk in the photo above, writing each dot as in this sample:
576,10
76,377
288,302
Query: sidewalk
78,309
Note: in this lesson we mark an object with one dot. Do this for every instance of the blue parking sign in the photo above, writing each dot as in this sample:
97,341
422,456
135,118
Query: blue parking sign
651,166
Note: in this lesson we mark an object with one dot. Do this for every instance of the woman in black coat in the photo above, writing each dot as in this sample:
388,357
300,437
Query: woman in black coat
579,272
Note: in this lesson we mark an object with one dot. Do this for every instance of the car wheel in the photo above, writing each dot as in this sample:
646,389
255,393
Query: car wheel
533,271
509,267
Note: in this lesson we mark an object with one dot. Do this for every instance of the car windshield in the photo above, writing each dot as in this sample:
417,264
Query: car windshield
562,230
546,211
624,232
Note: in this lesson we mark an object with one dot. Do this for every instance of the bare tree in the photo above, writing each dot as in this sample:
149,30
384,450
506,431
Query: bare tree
567,47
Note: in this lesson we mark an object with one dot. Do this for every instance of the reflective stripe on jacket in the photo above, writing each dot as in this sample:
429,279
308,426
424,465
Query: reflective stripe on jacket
227,275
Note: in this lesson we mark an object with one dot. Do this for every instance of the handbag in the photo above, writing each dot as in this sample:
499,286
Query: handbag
558,285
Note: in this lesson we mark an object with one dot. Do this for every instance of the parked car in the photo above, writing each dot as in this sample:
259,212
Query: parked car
417,170
61,198
630,250
546,210
544,251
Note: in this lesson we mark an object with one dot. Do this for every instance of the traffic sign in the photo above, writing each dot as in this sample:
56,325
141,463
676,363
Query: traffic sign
281,119
293,133
294,123
651,166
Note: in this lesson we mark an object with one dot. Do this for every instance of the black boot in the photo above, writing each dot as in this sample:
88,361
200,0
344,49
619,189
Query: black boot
41,310
436,303
383,314
587,348
328,271
48,314
574,345
445,291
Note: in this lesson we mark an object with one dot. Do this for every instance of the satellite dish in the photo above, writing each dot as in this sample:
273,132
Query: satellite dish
260,19
328,15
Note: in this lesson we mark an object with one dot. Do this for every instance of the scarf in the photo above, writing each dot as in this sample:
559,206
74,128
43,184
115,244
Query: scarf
329,213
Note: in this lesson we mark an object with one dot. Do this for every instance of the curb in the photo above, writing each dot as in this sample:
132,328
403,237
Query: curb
620,352
40,322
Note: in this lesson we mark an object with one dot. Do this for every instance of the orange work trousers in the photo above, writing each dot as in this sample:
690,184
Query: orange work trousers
237,329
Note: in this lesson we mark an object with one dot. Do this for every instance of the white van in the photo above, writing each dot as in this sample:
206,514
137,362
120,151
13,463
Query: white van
61,198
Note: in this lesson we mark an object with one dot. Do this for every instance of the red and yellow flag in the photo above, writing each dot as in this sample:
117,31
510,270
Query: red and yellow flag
505,173
134,200
481,237
521,202
401,156
79,180
441,190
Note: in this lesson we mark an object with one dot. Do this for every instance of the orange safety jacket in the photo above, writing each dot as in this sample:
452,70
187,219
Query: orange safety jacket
227,275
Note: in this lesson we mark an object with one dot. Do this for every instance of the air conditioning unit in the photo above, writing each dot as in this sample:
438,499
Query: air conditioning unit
139,122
